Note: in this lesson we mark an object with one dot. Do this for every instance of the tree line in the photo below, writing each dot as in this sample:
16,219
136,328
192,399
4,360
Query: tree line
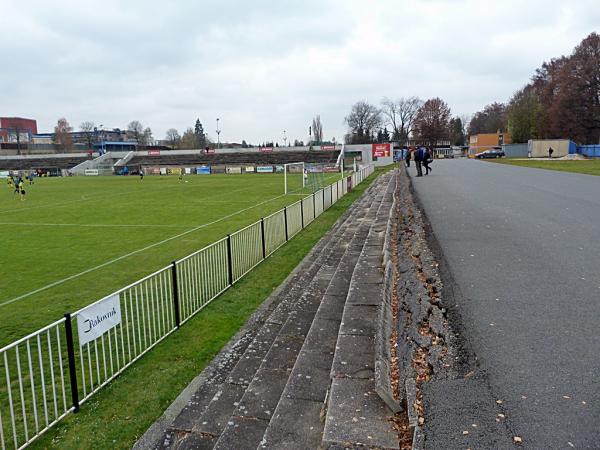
562,100
428,122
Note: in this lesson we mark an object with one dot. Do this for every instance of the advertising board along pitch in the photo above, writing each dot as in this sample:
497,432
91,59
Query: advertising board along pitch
97,319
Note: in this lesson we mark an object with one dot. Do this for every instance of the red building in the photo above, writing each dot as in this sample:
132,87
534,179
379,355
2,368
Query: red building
10,127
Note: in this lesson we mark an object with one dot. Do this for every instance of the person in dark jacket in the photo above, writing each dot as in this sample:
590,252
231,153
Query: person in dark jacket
419,156
427,159
407,155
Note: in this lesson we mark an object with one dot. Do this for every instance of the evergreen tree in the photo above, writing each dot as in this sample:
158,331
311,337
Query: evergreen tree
199,134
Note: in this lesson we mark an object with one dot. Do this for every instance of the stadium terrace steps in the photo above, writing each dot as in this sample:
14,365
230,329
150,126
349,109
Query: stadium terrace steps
276,157
41,163
306,366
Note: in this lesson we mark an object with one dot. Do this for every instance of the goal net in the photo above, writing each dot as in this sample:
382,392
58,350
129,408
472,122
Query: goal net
319,175
294,178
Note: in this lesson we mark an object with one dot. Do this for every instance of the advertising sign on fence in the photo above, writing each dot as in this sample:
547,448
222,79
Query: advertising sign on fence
97,319
327,147
233,169
279,169
264,169
203,170
249,169
4,173
92,172
381,150
153,152
265,149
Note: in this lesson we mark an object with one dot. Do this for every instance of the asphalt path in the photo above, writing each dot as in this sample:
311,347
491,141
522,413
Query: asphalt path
523,245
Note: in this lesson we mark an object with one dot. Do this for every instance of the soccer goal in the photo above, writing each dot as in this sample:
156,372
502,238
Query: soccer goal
294,178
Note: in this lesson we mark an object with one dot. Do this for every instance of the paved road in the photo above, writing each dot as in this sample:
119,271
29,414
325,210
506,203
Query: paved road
523,245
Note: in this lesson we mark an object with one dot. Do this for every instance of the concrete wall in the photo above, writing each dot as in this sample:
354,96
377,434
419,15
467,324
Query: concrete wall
367,154
539,147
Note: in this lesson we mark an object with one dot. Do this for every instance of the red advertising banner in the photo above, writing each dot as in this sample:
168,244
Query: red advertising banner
327,147
265,149
209,150
381,150
153,152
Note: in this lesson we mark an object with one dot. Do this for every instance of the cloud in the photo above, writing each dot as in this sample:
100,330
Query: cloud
266,66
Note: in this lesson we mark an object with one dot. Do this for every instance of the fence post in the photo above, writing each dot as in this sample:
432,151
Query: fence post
302,212
330,194
323,191
229,261
175,294
285,223
314,206
71,358
262,234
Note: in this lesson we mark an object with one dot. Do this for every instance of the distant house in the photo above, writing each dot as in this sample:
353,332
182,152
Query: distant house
486,141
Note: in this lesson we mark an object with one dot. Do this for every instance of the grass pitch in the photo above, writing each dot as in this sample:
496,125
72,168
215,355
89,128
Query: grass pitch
75,240
589,167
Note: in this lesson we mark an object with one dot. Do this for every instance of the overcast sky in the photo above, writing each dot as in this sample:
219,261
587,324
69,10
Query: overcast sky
265,66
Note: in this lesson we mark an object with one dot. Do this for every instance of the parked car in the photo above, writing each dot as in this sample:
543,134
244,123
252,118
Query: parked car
493,153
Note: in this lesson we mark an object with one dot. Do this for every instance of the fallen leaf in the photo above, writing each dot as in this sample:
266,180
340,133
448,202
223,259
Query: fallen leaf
499,402
421,420
566,397
354,419
501,416
517,440
465,433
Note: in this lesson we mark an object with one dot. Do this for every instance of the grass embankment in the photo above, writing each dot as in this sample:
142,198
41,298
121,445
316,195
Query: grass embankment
120,413
589,167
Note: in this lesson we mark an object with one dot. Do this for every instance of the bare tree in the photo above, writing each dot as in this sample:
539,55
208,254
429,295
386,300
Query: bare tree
173,137
400,115
432,122
188,140
88,128
146,138
135,130
62,134
363,121
317,129
16,130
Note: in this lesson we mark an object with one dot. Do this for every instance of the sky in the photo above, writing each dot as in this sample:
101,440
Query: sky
266,66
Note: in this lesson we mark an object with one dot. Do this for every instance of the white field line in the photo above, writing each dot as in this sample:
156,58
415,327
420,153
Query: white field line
91,225
103,197
156,244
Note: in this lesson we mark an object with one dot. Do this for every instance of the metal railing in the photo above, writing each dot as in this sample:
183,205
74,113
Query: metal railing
51,372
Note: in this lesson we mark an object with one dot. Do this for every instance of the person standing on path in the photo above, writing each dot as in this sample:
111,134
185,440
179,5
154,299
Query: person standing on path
427,159
418,157
550,151
407,156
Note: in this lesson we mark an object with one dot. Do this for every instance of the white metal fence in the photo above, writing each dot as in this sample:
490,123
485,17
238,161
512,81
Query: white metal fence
49,373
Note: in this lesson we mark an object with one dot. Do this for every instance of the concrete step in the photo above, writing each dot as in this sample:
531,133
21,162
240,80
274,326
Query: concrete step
297,422
356,416
237,365
301,330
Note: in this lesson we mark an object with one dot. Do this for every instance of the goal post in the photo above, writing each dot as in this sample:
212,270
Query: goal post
294,177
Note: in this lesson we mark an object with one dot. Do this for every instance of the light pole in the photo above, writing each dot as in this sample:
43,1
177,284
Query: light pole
284,139
218,135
